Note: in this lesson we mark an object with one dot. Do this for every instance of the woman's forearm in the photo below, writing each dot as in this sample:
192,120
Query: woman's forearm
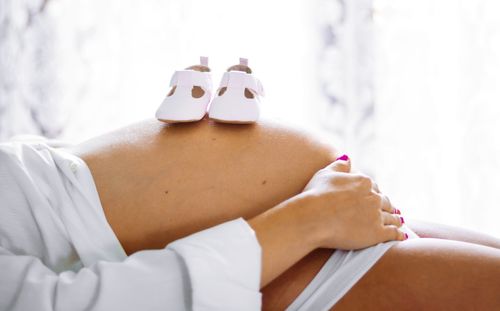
284,238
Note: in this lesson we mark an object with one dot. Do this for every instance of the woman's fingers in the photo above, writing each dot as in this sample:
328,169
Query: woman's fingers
342,164
392,233
385,204
391,219
392,210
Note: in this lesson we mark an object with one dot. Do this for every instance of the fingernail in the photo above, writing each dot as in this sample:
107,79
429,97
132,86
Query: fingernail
402,220
396,211
343,157
406,236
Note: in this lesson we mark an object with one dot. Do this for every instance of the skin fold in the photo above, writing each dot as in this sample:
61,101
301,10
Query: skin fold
160,182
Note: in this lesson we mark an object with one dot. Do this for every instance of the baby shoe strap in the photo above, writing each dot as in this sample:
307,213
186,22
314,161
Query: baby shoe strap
240,79
191,78
243,61
204,61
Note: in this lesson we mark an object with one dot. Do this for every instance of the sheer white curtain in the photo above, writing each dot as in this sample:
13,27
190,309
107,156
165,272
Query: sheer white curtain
345,111
410,89
110,62
438,109
29,83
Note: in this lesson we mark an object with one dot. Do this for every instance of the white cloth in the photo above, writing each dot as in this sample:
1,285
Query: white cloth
339,274
57,251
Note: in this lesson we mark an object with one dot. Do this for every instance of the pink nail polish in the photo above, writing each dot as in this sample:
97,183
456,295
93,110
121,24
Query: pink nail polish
402,220
396,211
406,236
343,157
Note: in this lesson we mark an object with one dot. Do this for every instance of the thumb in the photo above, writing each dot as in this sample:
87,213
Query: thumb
341,164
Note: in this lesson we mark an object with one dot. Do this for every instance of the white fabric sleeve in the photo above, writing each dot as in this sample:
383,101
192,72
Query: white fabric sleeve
215,269
224,269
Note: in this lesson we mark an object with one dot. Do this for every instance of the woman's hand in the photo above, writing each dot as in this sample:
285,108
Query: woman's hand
337,209
347,211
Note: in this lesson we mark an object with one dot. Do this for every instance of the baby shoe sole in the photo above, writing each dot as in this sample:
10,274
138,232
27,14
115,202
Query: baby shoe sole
232,121
179,121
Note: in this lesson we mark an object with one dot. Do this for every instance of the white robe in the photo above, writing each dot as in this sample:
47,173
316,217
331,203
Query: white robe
57,251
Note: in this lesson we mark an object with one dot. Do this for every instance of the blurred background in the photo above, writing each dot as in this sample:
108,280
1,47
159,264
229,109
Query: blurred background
409,89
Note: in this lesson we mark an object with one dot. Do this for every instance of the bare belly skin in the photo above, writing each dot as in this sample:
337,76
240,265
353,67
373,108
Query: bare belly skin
158,183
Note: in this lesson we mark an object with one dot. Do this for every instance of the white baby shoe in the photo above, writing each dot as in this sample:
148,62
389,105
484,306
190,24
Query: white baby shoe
190,95
238,97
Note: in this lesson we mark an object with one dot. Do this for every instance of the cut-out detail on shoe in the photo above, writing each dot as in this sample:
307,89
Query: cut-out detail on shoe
222,90
248,93
172,91
197,92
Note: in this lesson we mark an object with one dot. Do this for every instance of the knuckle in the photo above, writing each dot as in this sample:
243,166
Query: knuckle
386,198
384,201
374,200
336,178
357,176
332,179
364,181
367,182
333,182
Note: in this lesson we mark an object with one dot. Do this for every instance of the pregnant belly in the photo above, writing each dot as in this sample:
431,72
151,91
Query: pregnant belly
160,183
